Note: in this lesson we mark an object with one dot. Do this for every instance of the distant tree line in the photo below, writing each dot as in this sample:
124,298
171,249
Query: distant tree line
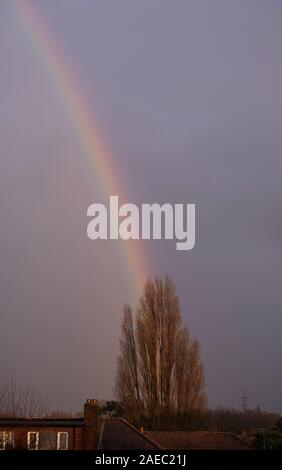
237,421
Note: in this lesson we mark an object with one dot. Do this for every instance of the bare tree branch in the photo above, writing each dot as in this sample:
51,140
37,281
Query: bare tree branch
20,401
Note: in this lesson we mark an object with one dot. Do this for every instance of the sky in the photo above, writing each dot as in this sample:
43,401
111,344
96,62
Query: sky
187,96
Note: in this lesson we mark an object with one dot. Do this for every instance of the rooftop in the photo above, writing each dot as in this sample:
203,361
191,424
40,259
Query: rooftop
117,433
40,422
200,440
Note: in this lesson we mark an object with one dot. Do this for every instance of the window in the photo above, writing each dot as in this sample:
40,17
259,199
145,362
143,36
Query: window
62,441
9,440
2,440
32,440
6,440
47,440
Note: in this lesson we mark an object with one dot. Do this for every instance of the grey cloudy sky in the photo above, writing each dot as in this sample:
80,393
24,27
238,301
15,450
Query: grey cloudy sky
188,97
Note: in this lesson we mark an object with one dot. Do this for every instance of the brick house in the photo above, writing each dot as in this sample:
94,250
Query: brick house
51,433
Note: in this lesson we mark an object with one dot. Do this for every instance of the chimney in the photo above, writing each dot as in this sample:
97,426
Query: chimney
91,424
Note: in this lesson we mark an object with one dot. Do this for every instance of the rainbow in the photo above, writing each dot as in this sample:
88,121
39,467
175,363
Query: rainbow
66,83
